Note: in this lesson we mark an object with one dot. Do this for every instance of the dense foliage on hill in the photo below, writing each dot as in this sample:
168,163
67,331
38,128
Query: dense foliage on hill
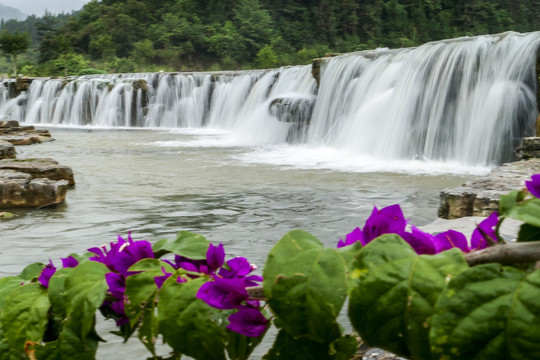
136,35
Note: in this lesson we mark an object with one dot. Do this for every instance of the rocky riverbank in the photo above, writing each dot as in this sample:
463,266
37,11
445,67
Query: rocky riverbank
480,197
31,183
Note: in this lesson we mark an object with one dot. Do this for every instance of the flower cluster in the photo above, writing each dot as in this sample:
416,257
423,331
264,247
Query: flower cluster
119,258
227,290
390,220
49,269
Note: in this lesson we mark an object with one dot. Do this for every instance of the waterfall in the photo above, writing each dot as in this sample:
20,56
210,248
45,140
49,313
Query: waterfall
466,100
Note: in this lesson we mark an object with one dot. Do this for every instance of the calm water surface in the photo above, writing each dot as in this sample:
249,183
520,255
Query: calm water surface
155,183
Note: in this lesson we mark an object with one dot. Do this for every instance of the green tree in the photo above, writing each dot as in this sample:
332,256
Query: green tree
12,45
266,57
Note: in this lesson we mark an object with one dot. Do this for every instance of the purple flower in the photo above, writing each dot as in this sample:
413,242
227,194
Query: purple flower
356,235
69,262
46,274
248,321
159,280
533,185
388,220
451,239
215,257
478,241
117,285
223,293
238,267
421,242
123,254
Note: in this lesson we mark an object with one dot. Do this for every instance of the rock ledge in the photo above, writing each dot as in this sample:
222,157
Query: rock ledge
480,197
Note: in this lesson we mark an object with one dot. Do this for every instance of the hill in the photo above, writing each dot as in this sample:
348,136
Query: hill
8,12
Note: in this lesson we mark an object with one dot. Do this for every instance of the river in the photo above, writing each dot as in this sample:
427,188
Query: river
155,183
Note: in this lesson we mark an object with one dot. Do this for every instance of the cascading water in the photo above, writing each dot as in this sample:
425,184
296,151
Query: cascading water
467,100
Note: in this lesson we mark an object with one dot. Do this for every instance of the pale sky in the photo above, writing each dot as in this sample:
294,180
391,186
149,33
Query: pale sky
38,7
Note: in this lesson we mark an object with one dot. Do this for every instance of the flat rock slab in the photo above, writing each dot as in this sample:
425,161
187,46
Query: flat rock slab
480,197
7,150
10,131
21,190
40,168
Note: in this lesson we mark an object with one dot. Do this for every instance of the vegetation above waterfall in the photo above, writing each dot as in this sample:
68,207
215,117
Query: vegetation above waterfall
149,35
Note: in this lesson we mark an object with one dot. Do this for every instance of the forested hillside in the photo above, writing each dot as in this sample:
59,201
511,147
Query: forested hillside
146,35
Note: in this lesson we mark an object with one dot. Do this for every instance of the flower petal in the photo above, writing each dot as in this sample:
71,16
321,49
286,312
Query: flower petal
223,293
248,321
450,239
534,185
215,257
421,242
487,226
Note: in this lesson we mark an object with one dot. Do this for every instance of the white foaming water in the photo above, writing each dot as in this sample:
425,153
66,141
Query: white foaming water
331,158
468,100
456,104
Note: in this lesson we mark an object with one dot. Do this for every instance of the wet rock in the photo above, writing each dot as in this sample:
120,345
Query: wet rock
10,131
9,124
480,197
21,190
529,148
40,168
7,150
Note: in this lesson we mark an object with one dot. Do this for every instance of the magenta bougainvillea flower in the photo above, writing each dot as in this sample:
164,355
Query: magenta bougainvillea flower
421,242
223,293
248,321
451,239
119,258
215,257
227,289
49,270
122,254
46,274
478,241
533,185
390,220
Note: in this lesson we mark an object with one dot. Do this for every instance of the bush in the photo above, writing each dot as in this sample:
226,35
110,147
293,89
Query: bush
91,71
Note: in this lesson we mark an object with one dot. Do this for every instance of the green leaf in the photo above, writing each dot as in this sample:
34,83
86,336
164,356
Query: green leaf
508,202
24,315
394,292
85,290
287,347
7,285
187,323
309,286
141,288
293,243
344,348
527,211
187,244
350,253
528,233
141,293
56,291
32,271
240,347
488,312
149,328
